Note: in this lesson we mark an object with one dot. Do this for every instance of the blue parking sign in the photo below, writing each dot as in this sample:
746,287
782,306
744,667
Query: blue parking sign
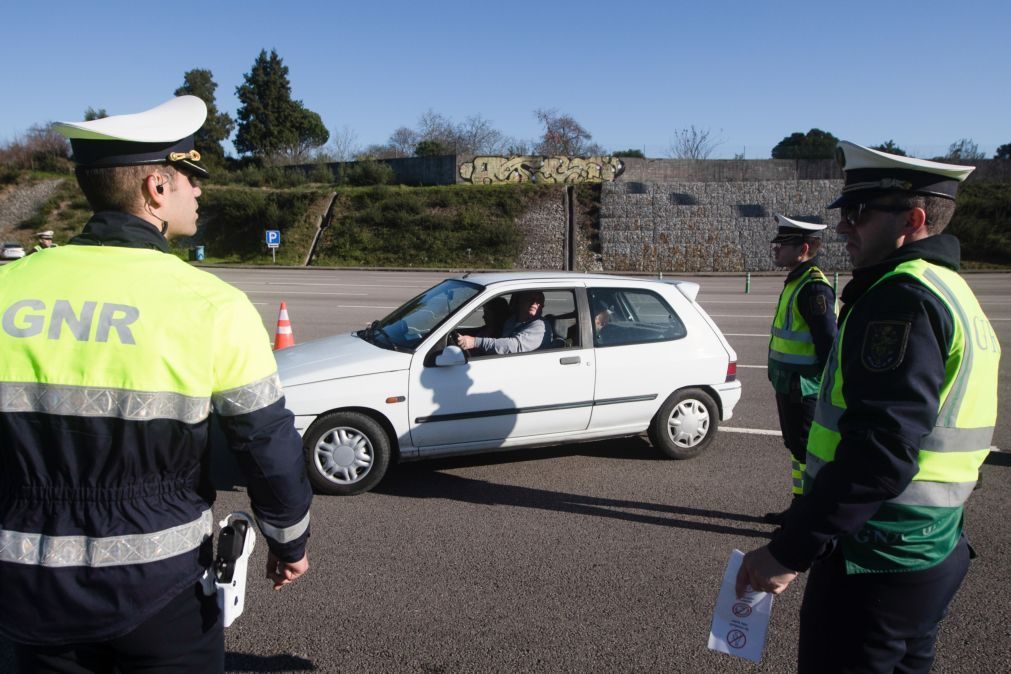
273,238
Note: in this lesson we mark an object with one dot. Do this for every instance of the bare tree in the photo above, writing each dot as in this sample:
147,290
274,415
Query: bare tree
692,143
563,135
343,146
964,150
403,141
477,136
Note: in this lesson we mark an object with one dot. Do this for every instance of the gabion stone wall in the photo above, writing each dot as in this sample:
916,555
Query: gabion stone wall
542,229
711,226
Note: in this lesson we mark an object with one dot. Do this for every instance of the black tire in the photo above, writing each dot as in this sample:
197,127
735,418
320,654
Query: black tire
346,453
685,424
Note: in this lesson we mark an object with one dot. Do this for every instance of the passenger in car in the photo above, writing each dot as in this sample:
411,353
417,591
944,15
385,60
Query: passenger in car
524,331
601,323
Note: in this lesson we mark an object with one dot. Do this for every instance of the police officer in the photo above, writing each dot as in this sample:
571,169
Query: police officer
801,337
905,417
45,241
116,354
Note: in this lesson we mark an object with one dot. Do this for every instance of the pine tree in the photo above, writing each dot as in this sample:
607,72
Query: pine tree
219,125
271,125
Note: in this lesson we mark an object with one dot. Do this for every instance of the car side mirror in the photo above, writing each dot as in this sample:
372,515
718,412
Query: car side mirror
451,355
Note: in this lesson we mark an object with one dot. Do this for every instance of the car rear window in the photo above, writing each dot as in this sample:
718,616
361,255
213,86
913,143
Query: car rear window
632,316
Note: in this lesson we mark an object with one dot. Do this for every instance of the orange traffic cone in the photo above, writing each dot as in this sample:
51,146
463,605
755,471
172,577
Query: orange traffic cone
284,337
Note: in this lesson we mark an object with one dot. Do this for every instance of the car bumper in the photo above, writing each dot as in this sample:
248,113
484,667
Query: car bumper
730,394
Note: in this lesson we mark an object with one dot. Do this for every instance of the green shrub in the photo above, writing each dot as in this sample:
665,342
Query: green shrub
982,222
370,172
234,220
468,226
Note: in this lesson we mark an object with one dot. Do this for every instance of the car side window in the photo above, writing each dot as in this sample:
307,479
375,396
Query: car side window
632,316
557,313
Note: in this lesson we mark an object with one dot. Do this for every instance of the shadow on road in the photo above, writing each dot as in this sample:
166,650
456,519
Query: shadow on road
244,662
423,482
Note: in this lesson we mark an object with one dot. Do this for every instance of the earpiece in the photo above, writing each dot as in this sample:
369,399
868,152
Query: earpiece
160,189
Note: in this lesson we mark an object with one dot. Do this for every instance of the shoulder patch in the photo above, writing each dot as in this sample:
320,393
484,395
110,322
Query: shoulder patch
884,345
819,306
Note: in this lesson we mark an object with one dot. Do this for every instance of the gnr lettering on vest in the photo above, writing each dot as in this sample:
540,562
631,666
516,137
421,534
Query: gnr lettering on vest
28,318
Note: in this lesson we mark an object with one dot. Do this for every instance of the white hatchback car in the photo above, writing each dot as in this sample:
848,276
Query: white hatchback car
402,390
12,250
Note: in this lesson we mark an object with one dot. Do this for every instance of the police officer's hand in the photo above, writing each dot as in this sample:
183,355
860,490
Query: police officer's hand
283,573
763,573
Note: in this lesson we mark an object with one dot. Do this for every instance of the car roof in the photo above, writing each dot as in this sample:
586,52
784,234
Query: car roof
491,278
689,288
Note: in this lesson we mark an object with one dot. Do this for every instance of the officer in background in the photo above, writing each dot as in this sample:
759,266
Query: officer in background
905,418
116,354
45,241
801,337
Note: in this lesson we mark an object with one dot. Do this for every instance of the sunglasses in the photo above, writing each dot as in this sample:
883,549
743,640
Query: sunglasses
855,214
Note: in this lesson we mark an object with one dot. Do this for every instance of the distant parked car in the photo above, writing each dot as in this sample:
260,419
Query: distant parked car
12,250
402,389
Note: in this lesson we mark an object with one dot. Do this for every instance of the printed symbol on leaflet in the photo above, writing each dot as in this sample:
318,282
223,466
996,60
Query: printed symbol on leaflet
741,610
737,638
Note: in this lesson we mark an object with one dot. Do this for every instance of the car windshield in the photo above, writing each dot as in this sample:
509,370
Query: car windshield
410,323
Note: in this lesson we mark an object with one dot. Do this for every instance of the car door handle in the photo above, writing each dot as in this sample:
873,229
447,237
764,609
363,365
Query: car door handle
569,360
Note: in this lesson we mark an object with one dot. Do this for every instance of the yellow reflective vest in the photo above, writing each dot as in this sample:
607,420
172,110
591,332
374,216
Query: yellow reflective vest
113,359
791,346
919,527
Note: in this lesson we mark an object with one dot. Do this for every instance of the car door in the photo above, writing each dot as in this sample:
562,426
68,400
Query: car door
644,352
495,400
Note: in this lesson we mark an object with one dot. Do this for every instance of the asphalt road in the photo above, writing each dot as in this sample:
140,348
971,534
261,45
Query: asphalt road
592,557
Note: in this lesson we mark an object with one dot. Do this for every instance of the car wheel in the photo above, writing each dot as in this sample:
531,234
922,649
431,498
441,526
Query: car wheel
347,453
685,424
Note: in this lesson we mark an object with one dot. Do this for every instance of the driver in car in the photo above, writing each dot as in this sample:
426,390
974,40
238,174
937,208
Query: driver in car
524,331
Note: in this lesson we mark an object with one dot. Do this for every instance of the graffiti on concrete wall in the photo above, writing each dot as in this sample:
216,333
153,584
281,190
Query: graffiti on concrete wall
487,170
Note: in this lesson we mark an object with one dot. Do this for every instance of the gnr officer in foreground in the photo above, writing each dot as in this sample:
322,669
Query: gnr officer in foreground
115,355
905,417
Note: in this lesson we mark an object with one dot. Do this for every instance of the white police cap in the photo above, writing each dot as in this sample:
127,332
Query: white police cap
871,173
796,231
161,135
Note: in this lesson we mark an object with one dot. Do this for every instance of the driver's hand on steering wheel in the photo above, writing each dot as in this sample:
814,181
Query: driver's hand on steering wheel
465,342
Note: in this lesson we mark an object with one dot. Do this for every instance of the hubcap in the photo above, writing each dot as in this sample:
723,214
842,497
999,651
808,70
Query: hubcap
688,424
344,455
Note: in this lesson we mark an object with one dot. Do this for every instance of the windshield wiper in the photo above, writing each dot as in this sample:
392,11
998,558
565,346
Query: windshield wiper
376,329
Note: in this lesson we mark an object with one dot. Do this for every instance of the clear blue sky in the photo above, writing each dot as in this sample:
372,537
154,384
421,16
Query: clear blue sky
924,74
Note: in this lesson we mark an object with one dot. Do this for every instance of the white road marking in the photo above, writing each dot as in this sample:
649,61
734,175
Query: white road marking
311,294
757,367
750,431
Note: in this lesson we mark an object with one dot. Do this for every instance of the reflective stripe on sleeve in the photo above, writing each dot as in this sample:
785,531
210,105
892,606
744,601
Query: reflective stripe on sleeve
248,398
942,439
95,401
62,551
285,534
935,494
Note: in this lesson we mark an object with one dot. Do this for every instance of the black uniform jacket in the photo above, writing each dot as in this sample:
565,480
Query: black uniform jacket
888,409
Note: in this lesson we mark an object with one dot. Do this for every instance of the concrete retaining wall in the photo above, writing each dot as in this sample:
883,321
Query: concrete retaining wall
712,226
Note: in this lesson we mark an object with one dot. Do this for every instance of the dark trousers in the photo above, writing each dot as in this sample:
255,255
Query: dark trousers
875,622
186,636
795,415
